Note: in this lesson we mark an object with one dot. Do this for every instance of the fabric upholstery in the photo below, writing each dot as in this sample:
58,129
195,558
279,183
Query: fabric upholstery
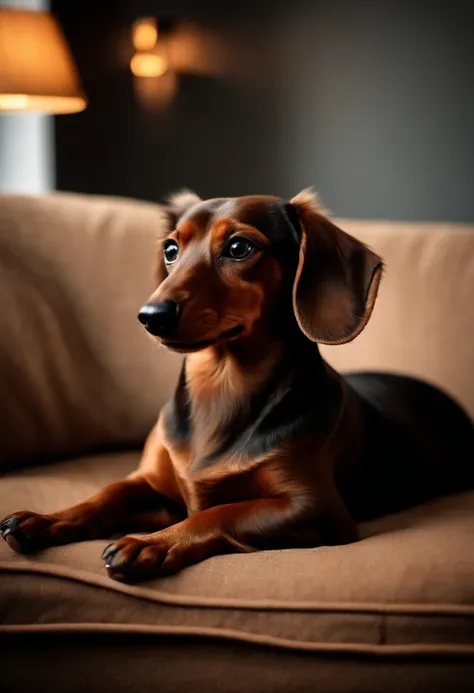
76,364
412,565
392,612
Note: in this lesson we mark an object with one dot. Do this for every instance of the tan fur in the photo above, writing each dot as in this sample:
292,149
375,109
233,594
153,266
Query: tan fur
309,200
156,466
210,375
181,201
217,392
219,388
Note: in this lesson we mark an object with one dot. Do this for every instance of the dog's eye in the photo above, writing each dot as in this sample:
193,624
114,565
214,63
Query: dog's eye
239,249
170,252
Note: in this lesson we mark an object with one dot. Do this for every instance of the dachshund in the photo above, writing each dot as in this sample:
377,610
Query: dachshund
263,445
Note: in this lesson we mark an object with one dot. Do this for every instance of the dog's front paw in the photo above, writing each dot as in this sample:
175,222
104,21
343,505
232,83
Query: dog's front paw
132,560
25,531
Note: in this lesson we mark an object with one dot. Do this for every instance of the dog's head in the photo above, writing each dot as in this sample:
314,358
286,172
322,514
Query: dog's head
229,266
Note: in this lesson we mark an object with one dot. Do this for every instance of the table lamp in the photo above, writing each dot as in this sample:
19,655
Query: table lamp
37,70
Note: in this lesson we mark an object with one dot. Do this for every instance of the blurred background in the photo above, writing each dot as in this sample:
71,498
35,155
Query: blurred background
369,101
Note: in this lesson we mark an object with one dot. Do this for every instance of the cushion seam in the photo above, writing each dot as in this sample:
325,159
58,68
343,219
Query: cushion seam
251,638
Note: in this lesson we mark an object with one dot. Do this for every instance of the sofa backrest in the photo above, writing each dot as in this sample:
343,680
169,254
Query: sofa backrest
423,320
77,370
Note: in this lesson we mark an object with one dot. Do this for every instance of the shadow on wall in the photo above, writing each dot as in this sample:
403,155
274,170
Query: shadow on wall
372,103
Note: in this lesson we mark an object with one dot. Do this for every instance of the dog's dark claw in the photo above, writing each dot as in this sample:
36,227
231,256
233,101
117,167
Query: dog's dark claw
120,566
9,525
15,537
108,552
131,560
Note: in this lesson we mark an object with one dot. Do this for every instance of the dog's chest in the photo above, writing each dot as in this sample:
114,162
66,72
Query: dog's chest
211,438
207,429
218,485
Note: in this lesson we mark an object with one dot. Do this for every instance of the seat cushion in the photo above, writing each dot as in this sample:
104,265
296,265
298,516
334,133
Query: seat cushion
406,586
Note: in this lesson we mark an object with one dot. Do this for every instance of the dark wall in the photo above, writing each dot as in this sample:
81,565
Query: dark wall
373,106
218,137
384,108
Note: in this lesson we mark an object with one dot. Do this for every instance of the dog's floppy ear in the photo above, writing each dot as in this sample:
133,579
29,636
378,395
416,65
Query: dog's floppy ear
176,205
336,280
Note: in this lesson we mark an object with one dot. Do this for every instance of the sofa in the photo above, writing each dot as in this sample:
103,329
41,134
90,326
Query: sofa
81,386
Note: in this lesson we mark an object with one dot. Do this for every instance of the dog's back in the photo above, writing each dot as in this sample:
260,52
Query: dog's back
418,445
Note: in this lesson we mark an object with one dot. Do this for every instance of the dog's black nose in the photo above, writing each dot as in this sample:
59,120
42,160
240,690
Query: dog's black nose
160,319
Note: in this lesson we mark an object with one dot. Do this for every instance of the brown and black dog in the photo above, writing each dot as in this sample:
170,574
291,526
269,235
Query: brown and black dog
263,445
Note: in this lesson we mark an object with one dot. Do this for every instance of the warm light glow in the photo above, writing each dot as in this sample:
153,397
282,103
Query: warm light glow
37,71
191,49
42,104
155,83
13,102
154,94
144,34
148,65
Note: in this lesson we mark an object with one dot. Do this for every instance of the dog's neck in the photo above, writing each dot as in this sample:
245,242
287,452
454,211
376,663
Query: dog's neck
233,371
231,386
221,382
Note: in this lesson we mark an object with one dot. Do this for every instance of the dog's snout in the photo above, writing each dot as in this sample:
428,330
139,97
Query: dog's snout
160,319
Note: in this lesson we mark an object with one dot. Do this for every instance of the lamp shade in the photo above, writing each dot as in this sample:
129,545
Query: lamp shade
37,71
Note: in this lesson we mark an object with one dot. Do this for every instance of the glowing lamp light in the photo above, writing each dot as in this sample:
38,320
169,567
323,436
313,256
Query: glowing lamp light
148,65
155,83
37,71
144,34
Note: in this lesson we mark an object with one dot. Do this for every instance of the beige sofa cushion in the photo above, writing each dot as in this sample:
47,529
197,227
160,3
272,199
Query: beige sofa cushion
76,369
405,588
